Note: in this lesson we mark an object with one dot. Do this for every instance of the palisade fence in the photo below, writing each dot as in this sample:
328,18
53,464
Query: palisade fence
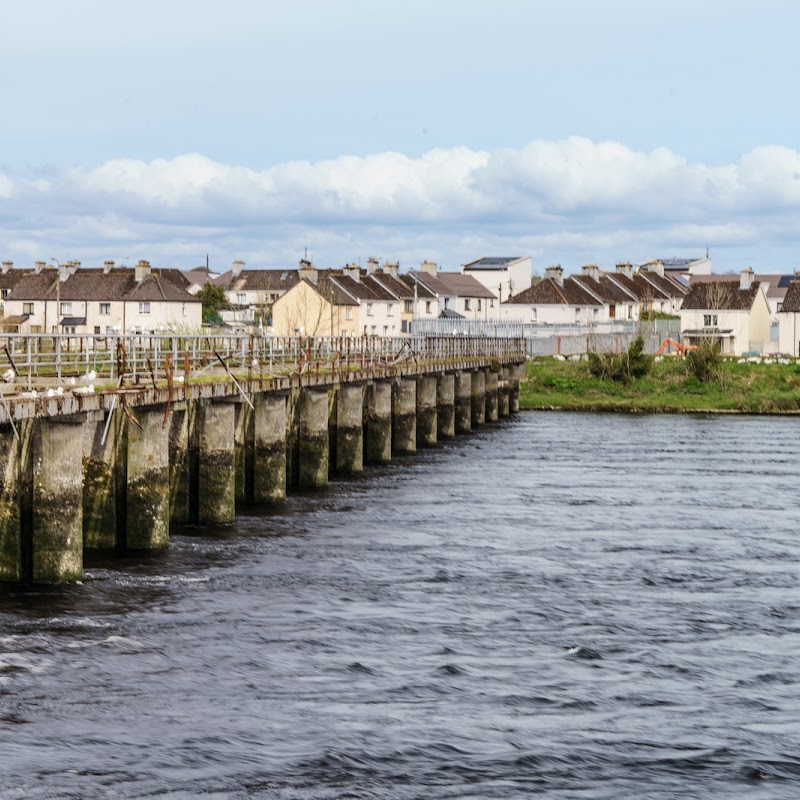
39,360
542,339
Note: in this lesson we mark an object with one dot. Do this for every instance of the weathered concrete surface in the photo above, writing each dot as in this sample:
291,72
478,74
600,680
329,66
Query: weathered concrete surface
104,480
57,525
502,393
518,373
269,451
217,472
378,445
491,395
463,402
293,405
243,452
10,515
147,504
446,406
478,397
404,415
182,472
350,429
313,445
427,433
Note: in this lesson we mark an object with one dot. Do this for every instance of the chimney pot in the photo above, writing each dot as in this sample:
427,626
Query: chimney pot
7,265
237,268
555,273
746,279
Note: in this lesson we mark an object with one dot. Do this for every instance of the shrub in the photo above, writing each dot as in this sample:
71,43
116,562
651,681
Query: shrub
705,362
623,367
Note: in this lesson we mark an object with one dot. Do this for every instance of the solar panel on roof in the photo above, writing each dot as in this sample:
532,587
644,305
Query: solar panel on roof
785,280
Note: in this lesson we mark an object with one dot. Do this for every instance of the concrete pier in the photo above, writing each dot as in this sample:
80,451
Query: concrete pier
502,393
10,516
57,529
427,427
463,402
104,479
445,406
313,441
518,373
243,452
147,475
378,443
404,415
216,476
182,463
478,397
491,395
350,429
269,450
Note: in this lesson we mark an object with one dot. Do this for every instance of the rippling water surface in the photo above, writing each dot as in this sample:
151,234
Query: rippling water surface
570,606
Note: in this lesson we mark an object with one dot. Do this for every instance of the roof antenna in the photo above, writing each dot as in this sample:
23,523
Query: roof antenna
706,251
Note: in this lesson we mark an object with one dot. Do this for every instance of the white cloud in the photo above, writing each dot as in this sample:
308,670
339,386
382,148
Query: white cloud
559,200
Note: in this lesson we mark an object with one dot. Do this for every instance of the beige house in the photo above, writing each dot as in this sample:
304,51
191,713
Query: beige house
316,308
734,314
108,301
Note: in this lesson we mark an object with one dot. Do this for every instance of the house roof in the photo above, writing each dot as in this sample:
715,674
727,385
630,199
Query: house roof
604,288
791,301
453,284
394,285
724,295
423,292
665,283
775,284
258,280
492,262
548,292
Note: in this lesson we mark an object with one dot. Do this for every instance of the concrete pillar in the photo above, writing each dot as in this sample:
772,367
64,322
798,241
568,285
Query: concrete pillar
427,424
10,511
269,451
378,445
243,452
478,397
404,415
463,402
293,437
518,373
147,502
57,525
502,393
350,429
491,395
182,462
216,474
104,465
313,445
445,406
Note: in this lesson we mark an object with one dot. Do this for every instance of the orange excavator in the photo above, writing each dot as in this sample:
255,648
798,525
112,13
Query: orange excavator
680,348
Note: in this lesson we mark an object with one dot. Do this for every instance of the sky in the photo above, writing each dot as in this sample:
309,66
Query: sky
571,131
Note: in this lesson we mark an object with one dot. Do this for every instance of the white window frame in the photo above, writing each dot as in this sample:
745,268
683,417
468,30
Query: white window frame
66,307
710,321
144,307
105,309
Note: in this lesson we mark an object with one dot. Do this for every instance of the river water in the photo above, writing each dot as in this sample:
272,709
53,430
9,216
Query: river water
563,605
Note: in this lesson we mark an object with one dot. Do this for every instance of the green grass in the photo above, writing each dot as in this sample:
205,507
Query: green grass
749,388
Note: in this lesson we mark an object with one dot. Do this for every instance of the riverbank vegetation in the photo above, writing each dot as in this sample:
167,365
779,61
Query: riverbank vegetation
672,385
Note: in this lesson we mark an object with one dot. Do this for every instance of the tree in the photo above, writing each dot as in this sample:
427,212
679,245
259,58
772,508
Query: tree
213,299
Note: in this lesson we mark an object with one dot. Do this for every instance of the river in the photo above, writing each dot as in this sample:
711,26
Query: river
562,605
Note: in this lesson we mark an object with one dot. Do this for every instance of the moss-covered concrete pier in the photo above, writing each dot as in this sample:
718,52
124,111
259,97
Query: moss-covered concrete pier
113,469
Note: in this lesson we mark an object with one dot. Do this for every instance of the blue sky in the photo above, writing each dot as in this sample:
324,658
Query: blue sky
572,131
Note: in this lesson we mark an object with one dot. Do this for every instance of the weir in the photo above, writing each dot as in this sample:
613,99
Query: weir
112,469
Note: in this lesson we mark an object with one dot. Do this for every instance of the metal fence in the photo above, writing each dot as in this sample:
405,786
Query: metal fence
47,359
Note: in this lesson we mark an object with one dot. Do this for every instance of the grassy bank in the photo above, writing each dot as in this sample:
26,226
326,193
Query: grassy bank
750,388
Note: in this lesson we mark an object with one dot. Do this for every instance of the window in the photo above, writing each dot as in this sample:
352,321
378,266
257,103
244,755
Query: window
183,309
612,311
390,310
709,320
385,330
780,305
577,315
66,308
144,308
241,298
27,308
348,312
491,303
466,304
374,329
105,308
479,304
4,293
408,304
594,313
630,312
369,310
427,306
404,326
533,314
97,329
447,302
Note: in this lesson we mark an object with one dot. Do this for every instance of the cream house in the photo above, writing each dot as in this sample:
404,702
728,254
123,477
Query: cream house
107,301
316,308
734,314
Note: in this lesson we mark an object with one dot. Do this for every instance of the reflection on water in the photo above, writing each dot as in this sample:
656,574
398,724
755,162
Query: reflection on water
564,605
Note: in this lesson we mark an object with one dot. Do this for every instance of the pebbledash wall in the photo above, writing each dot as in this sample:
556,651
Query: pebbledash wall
91,471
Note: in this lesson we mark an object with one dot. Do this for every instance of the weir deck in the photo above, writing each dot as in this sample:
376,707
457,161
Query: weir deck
112,461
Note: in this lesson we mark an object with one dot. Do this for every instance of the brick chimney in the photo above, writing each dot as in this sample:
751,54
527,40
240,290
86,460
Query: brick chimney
429,267
746,279
142,270
555,273
591,271
625,268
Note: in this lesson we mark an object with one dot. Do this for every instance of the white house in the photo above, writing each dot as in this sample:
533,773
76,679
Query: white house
457,295
734,314
502,276
789,321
